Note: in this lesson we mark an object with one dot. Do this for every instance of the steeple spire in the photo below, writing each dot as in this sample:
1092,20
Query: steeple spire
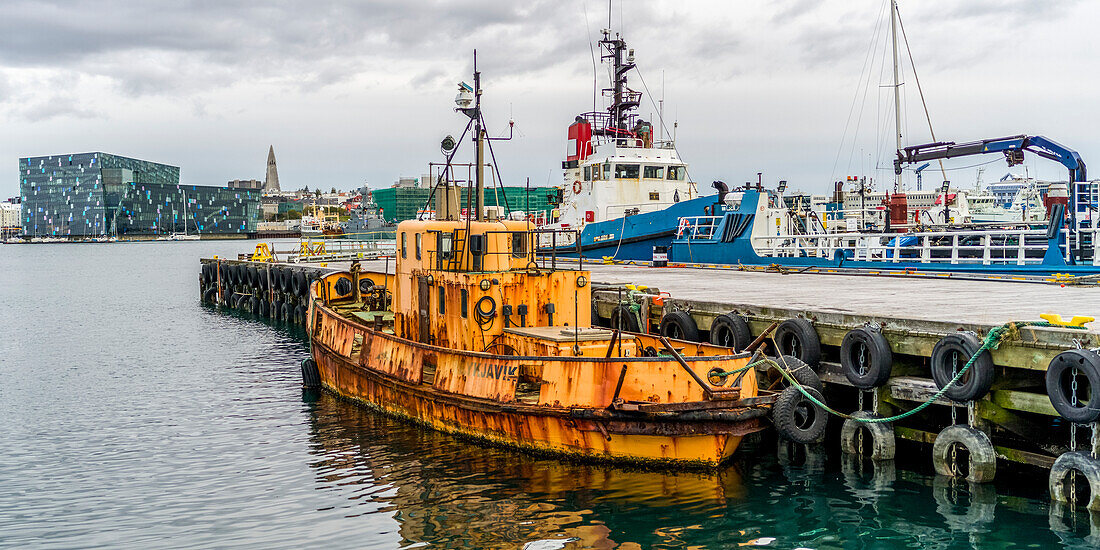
271,181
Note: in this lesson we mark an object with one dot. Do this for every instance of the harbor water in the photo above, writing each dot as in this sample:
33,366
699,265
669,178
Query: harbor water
131,416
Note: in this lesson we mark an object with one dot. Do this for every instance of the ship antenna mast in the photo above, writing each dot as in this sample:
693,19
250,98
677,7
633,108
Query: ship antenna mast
897,84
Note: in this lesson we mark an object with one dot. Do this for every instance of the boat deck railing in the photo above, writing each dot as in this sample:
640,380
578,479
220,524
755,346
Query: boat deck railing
332,248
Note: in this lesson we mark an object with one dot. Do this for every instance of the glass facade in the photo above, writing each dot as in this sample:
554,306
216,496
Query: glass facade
402,203
98,194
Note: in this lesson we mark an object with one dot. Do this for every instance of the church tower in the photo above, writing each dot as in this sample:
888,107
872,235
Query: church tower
271,181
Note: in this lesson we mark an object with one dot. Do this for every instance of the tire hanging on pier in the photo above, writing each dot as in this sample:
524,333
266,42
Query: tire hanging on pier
866,357
950,355
797,337
1073,385
280,279
286,313
342,286
299,315
730,331
679,325
800,371
210,295
298,282
798,419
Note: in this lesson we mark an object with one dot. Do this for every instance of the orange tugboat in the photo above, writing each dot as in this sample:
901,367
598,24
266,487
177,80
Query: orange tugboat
476,336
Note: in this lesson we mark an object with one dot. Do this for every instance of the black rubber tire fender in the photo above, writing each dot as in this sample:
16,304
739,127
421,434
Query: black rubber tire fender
311,376
254,305
801,372
303,284
299,315
797,337
210,295
798,419
296,283
867,348
342,286
624,319
1084,366
280,279
365,285
954,351
730,330
286,312
679,325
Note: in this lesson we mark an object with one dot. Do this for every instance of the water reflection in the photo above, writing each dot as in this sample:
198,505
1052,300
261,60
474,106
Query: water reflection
449,492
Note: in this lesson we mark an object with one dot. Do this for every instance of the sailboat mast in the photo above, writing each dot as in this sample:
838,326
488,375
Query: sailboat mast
897,84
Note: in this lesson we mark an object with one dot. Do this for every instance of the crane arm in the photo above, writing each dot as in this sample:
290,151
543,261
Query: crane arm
1012,147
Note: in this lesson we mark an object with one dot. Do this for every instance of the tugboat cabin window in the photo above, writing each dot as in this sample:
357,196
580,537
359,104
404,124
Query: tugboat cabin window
404,245
442,300
654,196
464,299
626,171
653,172
587,173
607,171
446,245
519,245
676,172
418,246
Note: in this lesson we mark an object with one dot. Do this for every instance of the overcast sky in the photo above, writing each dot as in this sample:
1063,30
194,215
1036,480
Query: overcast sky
359,91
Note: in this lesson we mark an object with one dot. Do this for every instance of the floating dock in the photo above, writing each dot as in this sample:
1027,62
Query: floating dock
1014,421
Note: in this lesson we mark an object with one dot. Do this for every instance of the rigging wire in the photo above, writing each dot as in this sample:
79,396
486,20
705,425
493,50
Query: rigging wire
877,36
868,62
592,53
687,171
919,90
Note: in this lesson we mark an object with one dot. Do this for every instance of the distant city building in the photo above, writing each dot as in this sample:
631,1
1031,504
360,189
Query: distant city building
271,181
255,185
99,194
10,216
401,203
410,181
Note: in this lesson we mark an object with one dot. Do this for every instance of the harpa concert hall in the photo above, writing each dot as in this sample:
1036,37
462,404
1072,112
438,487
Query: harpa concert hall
99,194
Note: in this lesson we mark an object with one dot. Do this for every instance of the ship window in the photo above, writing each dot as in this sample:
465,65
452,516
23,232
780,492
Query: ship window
446,241
404,245
676,172
442,301
519,244
587,173
606,172
464,299
654,196
626,171
653,172
418,246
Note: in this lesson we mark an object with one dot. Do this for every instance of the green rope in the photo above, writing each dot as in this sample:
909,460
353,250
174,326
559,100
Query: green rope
742,369
992,340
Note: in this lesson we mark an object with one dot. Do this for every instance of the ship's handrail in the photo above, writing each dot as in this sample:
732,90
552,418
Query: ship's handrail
1018,247
697,227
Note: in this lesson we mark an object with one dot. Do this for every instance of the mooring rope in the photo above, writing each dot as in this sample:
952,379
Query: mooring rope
992,340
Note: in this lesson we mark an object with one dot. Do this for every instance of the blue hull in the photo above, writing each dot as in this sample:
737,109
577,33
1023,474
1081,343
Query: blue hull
633,237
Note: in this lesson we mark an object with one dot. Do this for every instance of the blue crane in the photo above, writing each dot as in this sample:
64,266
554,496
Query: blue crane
1013,148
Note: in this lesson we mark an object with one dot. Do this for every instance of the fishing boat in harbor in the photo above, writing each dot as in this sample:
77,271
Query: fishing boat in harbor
624,187
473,334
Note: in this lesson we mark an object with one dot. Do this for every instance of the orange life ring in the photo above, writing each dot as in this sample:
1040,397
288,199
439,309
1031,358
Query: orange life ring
577,187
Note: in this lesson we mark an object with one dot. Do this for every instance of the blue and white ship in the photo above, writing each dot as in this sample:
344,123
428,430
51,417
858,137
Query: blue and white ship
625,189
755,227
